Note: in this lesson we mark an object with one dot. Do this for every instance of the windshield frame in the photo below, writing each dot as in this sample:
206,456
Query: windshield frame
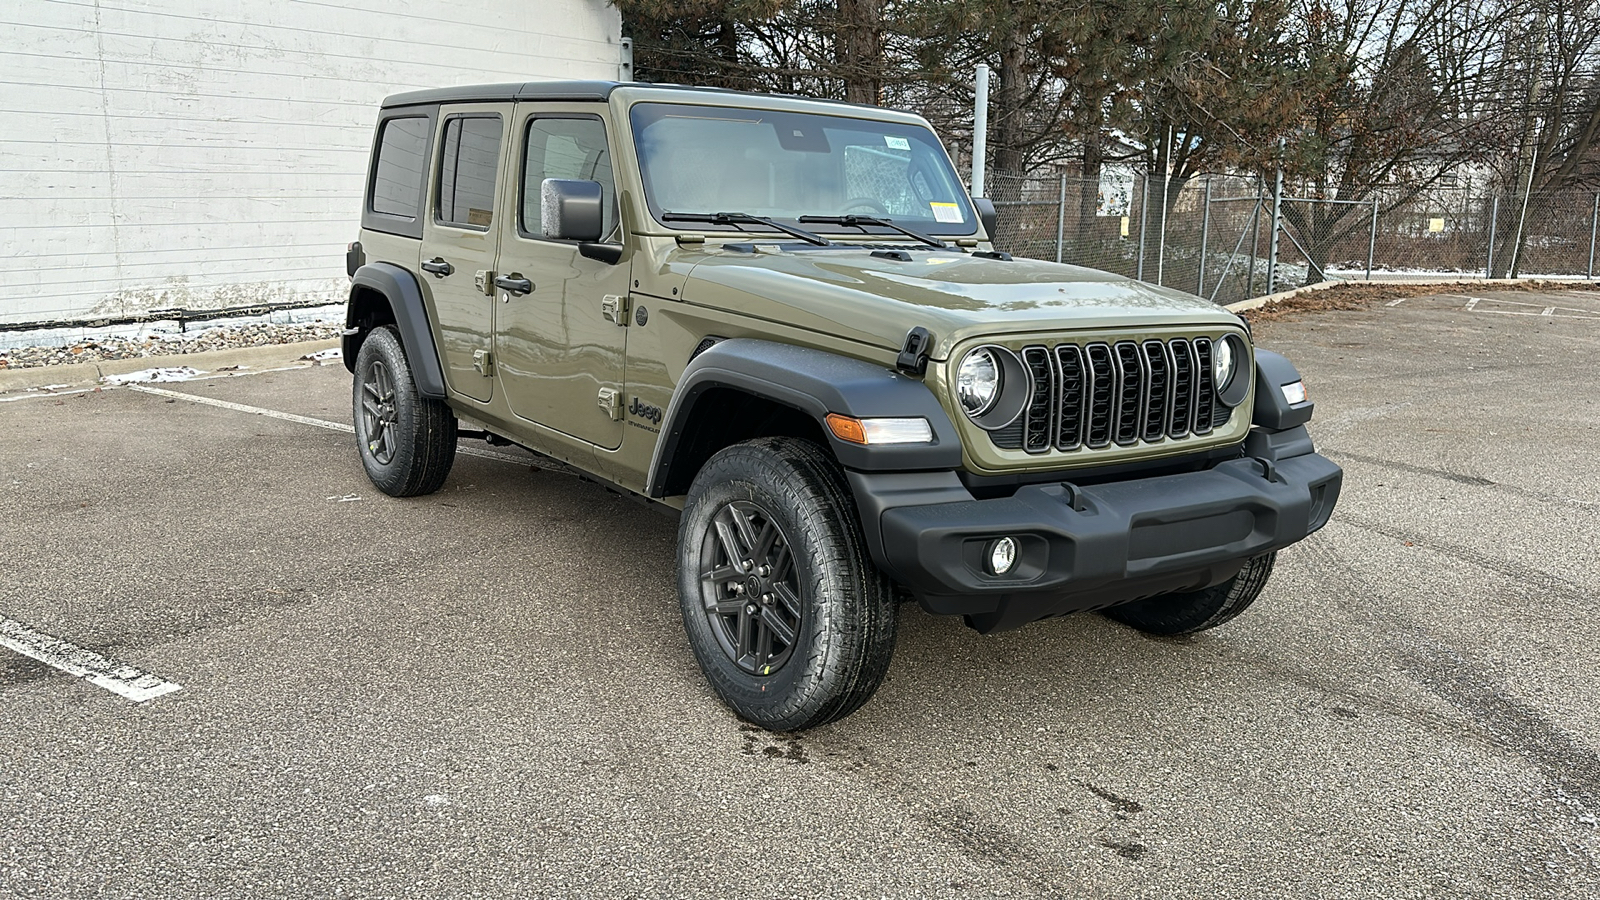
644,113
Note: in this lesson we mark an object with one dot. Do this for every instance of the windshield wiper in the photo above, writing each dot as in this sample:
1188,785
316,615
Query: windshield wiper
855,221
735,218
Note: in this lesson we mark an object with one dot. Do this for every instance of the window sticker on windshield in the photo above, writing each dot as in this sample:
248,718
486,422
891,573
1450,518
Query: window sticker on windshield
945,212
896,143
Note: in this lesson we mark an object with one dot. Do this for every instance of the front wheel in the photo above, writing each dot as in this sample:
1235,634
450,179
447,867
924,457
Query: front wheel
790,620
1192,611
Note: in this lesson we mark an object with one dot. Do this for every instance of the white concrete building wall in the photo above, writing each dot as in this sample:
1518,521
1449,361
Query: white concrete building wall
165,154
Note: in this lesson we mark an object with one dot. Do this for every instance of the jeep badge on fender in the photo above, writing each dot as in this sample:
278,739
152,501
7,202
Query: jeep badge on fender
844,391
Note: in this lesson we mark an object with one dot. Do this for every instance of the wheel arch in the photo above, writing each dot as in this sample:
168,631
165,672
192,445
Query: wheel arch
386,294
744,388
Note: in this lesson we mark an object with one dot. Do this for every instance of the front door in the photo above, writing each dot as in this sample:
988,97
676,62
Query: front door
559,354
459,240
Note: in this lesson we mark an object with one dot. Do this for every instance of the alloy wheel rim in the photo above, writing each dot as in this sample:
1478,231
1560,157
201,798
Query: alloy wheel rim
749,588
378,412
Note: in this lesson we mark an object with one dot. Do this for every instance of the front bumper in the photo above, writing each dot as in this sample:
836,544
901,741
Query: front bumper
1084,548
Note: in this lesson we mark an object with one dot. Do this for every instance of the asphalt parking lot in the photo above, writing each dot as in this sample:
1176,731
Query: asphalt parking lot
487,692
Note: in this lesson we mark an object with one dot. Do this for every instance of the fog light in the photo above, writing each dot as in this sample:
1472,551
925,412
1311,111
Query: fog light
1002,556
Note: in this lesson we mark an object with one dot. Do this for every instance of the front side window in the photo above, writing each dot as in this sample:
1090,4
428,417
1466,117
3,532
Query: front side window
784,165
468,162
396,188
569,148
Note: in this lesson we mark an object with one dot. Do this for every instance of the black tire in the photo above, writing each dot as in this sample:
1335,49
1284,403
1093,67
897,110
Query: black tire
1187,613
812,594
407,442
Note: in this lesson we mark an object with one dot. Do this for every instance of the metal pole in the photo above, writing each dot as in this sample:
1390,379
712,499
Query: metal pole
1144,216
1594,225
1255,244
1061,217
980,128
625,64
1205,234
1522,219
1372,238
1277,211
1494,222
1161,233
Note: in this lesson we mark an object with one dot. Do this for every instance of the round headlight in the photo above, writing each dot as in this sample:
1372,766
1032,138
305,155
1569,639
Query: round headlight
1222,364
978,381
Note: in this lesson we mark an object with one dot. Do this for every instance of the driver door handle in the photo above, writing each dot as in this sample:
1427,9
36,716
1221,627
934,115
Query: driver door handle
438,266
513,284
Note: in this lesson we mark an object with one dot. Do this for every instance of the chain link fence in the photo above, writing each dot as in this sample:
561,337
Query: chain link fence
1213,235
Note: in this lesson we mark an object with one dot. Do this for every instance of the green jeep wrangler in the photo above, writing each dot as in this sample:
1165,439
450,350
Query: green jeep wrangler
784,318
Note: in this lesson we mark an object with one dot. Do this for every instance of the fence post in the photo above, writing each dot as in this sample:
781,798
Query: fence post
1594,225
1255,244
1272,242
1205,234
1372,238
980,130
1144,216
1494,223
1061,217
1522,218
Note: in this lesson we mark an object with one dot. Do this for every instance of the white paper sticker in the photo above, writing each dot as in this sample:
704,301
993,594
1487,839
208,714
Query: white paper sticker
896,143
945,212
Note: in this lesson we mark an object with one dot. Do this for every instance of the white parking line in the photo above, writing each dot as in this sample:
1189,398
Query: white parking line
118,678
291,417
240,407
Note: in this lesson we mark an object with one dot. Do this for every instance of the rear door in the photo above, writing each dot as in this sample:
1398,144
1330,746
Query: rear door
459,240
558,352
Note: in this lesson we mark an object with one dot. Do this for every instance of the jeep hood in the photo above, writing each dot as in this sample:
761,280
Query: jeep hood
851,294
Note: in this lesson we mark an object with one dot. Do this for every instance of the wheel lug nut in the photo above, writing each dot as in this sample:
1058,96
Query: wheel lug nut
748,565
738,588
765,571
767,599
750,610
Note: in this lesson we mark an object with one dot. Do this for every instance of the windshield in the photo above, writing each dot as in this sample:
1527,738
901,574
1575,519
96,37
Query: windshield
784,165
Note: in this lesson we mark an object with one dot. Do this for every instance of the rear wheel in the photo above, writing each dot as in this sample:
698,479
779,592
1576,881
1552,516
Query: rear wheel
1187,613
407,441
792,623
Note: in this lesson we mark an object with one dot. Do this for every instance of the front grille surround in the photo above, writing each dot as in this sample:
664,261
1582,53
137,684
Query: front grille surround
1116,394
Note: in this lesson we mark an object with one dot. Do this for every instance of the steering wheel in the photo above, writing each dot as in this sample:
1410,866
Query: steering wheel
872,206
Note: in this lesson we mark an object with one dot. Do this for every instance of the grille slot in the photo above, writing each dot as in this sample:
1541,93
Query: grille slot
1128,393
1074,391
1041,408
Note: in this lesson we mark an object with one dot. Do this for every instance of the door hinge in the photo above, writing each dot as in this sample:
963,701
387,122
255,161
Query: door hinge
483,361
614,308
611,402
483,280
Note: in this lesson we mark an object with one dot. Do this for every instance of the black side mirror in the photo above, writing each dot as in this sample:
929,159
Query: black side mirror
987,215
571,210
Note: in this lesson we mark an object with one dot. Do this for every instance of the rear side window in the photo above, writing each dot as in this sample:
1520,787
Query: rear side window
468,162
397,176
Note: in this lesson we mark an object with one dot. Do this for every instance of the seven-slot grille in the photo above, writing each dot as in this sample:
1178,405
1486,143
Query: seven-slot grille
1095,395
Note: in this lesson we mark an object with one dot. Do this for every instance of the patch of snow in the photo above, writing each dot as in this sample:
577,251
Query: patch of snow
173,373
324,355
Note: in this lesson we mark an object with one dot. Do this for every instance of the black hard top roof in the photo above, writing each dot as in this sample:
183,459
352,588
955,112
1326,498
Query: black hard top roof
554,91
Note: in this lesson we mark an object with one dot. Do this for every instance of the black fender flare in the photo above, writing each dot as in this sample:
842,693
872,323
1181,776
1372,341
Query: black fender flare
1273,410
816,383
410,318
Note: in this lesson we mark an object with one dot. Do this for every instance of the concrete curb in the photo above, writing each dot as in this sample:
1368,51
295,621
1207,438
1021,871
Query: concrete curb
1258,302
270,356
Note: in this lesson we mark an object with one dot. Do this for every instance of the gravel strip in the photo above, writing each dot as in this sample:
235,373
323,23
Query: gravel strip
227,337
